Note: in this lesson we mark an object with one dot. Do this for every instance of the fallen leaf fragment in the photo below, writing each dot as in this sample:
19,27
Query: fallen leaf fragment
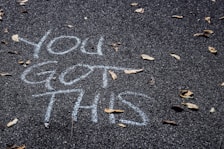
113,75
190,105
4,42
15,38
13,122
16,147
175,56
212,110
147,57
186,94
134,4
5,74
208,31
6,30
133,71
221,18
177,108
22,2
13,52
46,125
169,122
139,10
116,45
177,16
24,63
28,62
208,19
122,125
69,26
222,84
1,14
212,50
200,34
113,110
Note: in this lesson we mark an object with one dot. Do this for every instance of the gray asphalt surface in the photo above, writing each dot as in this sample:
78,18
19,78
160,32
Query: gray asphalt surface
146,97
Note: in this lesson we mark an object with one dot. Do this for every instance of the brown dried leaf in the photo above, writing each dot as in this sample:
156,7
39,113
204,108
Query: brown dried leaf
139,10
1,14
186,94
134,4
147,57
13,52
200,34
190,105
113,110
208,31
212,50
113,75
5,74
15,38
177,16
28,62
208,19
21,62
169,122
175,56
221,18
22,2
133,71
116,45
13,122
122,125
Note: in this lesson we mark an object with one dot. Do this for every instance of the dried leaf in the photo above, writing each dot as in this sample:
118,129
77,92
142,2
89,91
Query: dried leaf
4,42
139,10
15,38
113,75
175,56
190,106
113,110
208,31
21,62
177,108
222,84
200,34
147,57
134,4
116,45
13,122
122,125
221,18
13,52
1,14
22,2
69,26
133,71
208,19
28,62
5,74
186,94
212,110
169,122
212,50
177,16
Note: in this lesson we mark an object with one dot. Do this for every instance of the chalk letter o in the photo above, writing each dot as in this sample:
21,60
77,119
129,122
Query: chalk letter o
49,46
63,74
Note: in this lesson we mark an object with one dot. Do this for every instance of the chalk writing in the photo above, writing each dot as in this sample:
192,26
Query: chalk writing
45,72
38,46
94,106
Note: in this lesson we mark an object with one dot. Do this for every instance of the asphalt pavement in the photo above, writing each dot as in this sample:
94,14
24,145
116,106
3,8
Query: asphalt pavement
111,74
